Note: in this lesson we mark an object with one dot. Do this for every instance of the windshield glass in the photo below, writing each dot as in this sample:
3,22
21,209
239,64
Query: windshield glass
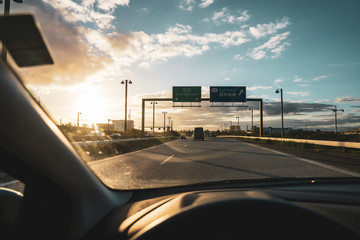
166,93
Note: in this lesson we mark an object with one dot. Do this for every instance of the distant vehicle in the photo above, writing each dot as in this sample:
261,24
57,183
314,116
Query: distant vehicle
182,136
95,136
115,136
199,133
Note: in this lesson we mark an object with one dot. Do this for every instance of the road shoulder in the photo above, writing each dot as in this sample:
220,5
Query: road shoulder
340,160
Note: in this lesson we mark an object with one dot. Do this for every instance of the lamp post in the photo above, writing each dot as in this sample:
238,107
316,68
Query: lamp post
335,110
252,118
7,13
169,124
153,103
126,82
282,111
164,120
78,119
109,124
238,118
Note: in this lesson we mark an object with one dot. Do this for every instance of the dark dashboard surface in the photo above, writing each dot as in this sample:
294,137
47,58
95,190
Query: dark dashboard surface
299,209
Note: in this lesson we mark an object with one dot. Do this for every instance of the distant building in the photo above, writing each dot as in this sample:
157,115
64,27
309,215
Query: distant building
119,125
271,130
104,126
352,131
235,128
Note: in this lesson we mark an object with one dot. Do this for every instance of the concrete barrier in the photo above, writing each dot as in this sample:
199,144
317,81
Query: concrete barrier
316,142
90,143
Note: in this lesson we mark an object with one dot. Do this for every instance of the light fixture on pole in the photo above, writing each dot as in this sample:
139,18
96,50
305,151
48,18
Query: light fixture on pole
238,118
335,110
126,82
282,111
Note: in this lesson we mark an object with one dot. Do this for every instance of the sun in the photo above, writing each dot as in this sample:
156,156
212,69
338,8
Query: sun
92,107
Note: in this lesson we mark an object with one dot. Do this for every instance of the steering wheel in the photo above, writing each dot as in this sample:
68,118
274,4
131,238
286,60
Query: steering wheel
245,219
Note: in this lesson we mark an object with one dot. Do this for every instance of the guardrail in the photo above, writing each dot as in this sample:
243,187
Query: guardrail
316,142
90,143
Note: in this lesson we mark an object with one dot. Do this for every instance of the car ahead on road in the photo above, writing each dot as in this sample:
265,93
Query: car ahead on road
95,136
115,136
199,134
65,198
182,136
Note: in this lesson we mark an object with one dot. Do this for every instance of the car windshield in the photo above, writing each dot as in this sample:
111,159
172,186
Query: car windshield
167,93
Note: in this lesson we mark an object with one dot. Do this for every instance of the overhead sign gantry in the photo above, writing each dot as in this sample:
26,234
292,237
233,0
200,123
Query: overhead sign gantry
227,94
191,94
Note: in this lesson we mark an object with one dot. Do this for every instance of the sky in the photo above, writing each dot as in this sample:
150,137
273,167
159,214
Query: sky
310,49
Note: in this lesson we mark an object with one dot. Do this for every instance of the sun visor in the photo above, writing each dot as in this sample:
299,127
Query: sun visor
22,38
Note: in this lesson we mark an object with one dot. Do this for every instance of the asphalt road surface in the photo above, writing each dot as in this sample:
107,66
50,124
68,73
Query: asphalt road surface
182,162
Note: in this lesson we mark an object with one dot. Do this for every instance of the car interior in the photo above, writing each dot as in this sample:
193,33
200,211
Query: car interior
63,198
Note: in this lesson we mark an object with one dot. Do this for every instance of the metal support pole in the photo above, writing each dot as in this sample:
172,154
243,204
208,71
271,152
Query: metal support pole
335,122
261,117
164,120
78,119
282,114
125,123
143,117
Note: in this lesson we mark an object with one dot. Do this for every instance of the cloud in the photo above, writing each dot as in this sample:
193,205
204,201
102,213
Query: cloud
176,41
347,99
238,57
254,88
318,78
279,80
298,79
74,12
224,16
302,94
75,59
272,48
262,30
107,5
206,3
187,5
273,108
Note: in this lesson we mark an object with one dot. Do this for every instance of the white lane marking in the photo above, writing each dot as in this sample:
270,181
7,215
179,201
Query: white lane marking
167,159
8,183
121,155
339,170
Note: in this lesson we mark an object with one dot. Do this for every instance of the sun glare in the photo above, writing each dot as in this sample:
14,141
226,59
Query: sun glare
91,106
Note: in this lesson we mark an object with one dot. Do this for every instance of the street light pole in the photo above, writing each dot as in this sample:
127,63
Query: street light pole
6,13
335,110
252,118
282,112
169,124
238,118
78,119
164,120
126,82
153,103
109,124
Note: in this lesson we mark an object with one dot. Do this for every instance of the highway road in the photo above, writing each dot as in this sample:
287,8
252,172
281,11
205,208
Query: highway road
182,162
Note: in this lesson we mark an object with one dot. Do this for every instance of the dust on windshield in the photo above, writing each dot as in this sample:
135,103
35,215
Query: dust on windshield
166,93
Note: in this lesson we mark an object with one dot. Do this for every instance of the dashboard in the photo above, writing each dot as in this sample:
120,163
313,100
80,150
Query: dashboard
291,212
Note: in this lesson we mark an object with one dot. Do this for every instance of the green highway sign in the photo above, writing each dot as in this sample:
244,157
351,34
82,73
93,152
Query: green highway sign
186,94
